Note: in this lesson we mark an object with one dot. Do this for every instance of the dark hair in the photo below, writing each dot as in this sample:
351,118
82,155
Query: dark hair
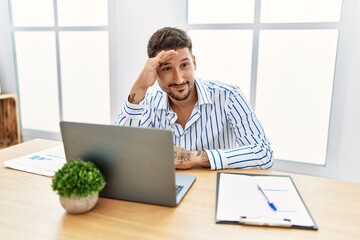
168,38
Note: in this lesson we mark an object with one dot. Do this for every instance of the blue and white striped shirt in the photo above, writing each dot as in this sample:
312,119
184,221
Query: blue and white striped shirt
221,123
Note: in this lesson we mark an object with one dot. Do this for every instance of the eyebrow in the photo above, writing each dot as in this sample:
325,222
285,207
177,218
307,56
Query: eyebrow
185,59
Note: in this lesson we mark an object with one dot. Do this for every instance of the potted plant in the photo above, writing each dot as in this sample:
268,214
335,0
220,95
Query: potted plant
78,184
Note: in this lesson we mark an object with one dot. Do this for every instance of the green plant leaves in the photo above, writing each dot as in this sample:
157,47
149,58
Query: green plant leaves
78,178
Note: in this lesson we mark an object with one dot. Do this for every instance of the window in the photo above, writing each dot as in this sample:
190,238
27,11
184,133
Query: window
225,11
282,54
294,87
232,48
62,59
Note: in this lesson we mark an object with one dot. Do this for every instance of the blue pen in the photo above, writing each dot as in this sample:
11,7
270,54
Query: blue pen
271,204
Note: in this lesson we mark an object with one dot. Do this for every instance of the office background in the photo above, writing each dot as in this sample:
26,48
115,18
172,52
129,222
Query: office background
129,29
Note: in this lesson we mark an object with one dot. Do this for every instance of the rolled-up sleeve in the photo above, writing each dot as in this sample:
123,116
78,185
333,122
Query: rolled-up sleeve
131,114
254,150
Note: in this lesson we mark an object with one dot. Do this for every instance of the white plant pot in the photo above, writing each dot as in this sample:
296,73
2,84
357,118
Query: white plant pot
77,205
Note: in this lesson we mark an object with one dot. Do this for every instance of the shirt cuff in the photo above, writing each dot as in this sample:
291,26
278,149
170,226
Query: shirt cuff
217,159
133,109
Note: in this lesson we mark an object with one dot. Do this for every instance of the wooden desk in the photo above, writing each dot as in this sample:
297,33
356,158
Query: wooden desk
29,209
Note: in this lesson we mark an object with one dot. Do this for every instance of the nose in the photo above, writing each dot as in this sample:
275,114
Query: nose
177,77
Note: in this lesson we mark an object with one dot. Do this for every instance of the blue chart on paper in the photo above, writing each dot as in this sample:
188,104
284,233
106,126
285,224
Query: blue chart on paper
37,157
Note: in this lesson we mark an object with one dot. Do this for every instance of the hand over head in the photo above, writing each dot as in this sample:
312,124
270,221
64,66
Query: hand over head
148,75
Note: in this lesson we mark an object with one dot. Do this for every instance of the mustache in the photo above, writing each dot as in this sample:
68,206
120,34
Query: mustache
182,84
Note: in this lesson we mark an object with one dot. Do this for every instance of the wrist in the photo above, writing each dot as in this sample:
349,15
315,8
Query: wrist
201,159
137,95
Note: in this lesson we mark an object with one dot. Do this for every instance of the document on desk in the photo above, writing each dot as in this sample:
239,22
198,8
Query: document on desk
45,162
266,200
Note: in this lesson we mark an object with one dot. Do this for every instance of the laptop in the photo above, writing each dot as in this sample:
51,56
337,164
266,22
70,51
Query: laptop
137,163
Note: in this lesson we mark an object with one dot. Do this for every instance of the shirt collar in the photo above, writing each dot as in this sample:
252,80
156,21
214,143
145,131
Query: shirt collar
203,95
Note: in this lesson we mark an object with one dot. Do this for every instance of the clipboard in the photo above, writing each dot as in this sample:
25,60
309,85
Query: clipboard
240,201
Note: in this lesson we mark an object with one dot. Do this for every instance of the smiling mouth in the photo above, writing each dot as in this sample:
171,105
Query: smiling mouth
178,86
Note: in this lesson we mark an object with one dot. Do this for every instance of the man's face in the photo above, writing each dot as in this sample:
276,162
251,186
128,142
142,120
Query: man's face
176,75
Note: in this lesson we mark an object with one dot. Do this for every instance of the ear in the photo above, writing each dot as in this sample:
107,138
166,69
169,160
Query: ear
194,62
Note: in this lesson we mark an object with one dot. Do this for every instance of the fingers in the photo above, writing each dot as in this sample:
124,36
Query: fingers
161,58
148,75
164,56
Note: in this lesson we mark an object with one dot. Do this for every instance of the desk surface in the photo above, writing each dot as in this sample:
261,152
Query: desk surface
29,209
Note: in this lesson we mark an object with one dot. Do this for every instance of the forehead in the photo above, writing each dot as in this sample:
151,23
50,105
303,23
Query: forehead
183,51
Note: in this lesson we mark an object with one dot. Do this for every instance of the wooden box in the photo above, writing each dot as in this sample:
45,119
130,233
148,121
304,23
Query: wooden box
9,121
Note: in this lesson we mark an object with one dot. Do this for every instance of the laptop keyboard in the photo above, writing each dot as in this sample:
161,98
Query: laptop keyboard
178,188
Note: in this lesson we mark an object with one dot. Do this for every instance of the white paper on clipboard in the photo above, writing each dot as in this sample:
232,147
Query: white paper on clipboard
240,201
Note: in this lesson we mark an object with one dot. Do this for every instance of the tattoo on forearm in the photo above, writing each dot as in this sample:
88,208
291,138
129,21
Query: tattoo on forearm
132,98
184,158
203,155
182,155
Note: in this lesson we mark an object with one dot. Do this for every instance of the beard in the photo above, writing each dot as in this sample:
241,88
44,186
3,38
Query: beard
179,95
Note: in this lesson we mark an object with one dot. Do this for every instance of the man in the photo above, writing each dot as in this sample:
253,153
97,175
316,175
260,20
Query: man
212,123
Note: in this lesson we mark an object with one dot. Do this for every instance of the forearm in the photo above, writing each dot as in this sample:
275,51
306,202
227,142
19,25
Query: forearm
137,93
132,111
186,159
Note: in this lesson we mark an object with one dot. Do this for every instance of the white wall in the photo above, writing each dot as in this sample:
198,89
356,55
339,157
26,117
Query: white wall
134,26
349,157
